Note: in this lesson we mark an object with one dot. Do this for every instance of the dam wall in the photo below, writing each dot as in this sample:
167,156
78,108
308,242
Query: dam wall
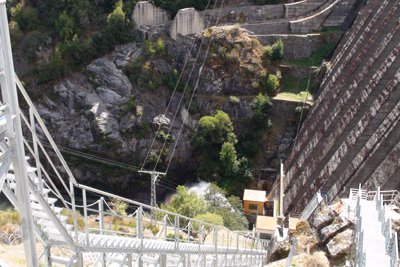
351,135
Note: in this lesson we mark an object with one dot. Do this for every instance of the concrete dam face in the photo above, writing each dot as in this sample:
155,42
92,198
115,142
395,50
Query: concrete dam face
351,136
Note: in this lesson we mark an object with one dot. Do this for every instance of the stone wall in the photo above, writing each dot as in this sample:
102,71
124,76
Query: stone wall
352,133
301,46
244,14
187,21
301,8
146,14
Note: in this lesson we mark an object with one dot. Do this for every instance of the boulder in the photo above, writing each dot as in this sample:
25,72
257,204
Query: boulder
332,229
161,120
322,219
110,97
340,244
79,134
107,75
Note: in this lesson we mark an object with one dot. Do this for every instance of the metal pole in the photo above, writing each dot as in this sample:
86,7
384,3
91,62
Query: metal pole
76,230
47,254
101,226
281,191
216,246
36,150
10,97
153,201
85,216
176,226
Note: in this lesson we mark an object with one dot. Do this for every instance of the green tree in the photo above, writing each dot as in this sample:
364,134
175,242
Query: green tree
272,84
65,26
215,130
27,17
267,53
186,203
277,50
228,158
230,209
261,104
117,30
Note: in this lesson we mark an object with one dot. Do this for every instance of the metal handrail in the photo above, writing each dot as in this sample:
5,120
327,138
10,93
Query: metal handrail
44,129
242,241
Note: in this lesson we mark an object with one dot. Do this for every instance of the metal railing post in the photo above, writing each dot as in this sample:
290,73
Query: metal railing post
176,228
216,246
36,150
139,227
165,227
85,217
101,227
74,215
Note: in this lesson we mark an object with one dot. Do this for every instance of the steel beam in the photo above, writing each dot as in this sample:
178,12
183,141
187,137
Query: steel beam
9,94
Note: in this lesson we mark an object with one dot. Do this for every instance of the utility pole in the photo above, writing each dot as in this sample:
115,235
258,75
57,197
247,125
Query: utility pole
281,194
14,132
154,177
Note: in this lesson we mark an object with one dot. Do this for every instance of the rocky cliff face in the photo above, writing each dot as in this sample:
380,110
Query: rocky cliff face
103,111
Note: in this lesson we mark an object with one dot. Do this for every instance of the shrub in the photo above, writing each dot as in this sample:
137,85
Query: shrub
52,70
118,206
272,84
9,216
234,99
267,53
70,219
171,236
27,17
65,26
152,227
163,136
277,50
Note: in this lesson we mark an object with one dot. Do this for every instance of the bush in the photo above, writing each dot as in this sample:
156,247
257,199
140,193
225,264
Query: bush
272,84
9,216
70,219
152,227
27,17
277,50
65,26
118,206
267,53
52,70
234,99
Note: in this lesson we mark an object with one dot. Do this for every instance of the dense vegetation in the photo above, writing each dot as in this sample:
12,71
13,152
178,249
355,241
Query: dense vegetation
214,207
62,36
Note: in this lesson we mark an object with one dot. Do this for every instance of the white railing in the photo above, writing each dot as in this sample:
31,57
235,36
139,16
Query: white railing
292,253
149,222
391,242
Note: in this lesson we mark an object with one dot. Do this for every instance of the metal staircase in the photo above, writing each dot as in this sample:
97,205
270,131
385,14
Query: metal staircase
376,241
86,223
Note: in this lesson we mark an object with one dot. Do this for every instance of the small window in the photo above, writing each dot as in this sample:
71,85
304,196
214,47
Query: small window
253,206
265,236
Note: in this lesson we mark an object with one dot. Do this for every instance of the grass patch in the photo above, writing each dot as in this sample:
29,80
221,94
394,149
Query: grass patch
323,52
295,97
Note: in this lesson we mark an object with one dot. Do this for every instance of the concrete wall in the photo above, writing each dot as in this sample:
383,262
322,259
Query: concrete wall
302,8
145,13
301,46
244,14
187,21
352,133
